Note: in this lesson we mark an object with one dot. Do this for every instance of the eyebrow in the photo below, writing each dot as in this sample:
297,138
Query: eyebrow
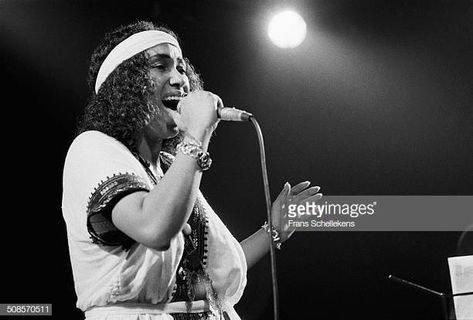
165,56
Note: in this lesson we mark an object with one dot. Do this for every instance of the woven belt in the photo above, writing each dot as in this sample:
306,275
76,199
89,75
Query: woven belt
148,308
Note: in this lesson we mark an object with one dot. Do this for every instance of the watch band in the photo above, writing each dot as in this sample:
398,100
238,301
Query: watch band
195,151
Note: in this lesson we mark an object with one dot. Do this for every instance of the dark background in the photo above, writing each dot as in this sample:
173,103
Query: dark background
376,101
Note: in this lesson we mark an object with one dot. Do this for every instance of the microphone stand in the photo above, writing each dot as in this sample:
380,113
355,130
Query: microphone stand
443,296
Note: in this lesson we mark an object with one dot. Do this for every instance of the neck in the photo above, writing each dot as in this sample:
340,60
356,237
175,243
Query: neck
149,148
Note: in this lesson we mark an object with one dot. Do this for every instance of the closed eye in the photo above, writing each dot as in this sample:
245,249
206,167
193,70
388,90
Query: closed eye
181,69
159,67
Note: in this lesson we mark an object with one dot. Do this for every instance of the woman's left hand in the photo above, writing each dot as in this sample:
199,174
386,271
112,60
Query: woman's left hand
299,194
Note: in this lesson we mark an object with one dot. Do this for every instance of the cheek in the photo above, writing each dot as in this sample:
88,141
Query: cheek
160,115
187,86
158,126
157,81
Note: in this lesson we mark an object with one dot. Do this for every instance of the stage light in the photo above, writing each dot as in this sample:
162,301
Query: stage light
287,29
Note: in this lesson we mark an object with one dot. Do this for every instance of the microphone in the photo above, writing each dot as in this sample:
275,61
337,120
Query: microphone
233,114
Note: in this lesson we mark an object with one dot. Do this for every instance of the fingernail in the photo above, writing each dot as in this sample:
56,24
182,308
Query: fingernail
286,185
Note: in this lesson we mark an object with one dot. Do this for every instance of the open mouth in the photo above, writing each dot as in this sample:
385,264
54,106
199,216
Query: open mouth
171,102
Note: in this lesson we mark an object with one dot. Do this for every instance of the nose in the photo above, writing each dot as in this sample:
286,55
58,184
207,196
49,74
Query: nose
178,79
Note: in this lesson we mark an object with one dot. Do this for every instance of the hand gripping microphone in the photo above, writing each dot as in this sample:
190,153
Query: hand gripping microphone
233,114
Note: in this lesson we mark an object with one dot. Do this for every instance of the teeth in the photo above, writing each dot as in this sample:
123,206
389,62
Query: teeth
172,98
171,102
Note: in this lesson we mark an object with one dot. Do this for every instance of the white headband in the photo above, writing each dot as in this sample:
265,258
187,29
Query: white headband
126,49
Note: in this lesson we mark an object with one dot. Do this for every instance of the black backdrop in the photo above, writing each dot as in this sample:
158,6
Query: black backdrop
376,101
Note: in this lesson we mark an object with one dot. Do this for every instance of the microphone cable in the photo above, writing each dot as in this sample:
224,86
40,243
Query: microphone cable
272,250
234,114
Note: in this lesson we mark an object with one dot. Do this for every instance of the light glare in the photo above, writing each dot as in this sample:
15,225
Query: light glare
287,29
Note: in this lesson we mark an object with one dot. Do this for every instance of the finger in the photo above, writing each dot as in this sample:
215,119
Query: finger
187,229
288,230
299,187
177,118
291,233
306,193
287,233
284,192
314,198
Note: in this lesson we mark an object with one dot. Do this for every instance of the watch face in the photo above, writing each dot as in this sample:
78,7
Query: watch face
204,161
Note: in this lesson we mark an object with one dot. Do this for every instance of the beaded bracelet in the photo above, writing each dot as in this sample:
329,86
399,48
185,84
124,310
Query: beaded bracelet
275,234
194,149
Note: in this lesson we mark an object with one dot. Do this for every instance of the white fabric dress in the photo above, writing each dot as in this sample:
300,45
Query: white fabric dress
113,275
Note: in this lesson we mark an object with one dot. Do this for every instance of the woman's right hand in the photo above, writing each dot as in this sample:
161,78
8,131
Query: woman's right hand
198,113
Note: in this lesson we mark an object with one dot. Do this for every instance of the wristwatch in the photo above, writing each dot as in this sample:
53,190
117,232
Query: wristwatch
195,151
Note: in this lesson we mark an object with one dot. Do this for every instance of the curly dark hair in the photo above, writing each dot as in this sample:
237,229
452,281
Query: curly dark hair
122,107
